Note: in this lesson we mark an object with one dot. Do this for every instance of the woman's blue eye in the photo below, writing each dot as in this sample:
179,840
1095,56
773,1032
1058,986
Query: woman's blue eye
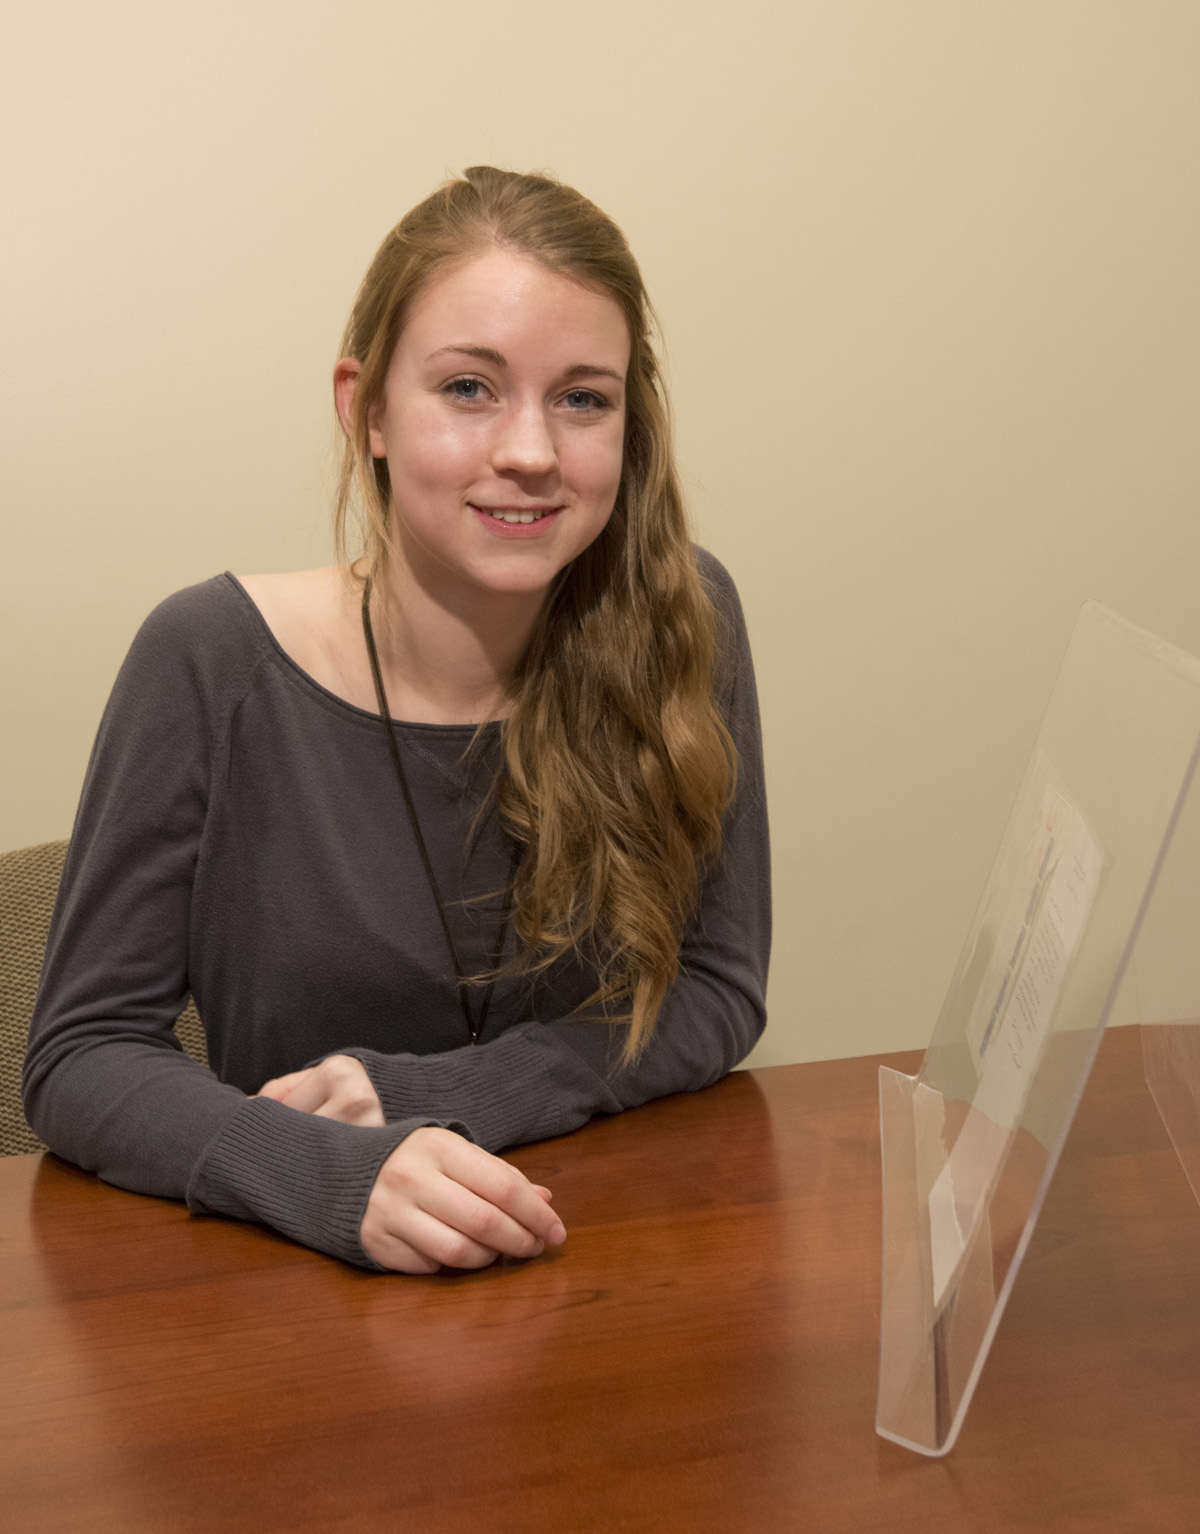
584,399
464,388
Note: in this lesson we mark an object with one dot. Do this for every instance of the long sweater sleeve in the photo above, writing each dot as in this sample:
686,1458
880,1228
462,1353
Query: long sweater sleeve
106,1083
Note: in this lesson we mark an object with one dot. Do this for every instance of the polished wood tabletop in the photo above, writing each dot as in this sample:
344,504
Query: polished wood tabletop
700,1355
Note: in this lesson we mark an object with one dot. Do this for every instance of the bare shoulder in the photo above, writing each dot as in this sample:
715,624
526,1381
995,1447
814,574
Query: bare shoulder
295,598
313,615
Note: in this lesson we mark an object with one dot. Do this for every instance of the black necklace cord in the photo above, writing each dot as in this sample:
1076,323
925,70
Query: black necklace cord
474,1028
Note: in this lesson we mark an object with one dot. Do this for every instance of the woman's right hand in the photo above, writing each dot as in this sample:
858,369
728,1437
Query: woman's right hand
440,1201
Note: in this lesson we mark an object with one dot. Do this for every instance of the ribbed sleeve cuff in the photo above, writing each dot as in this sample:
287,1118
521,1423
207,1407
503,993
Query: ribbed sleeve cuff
518,1088
308,1178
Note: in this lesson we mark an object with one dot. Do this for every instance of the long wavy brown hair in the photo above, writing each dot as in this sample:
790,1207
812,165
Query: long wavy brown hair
616,765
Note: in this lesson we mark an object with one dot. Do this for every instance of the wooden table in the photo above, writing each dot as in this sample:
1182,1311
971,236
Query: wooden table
701,1354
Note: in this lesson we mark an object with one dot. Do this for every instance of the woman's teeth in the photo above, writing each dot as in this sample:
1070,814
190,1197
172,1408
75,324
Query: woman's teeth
517,516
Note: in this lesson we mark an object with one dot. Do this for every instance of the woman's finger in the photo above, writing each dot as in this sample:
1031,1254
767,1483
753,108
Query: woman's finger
307,1091
477,1221
499,1184
279,1086
351,1106
456,1204
447,1245
398,1255
337,1088
349,1094
400,1236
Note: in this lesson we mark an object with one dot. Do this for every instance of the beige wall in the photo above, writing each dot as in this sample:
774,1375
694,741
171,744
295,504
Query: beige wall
929,277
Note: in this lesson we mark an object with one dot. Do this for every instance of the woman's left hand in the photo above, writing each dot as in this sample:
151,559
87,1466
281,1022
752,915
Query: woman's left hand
337,1088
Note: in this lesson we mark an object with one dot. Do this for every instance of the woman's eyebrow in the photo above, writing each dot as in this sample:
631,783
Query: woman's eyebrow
484,354
589,370
497,359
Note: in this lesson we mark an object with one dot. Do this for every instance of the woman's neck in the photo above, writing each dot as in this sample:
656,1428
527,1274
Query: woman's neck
446,658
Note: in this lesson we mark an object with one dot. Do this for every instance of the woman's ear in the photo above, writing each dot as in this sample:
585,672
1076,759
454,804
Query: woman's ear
346,374
345,385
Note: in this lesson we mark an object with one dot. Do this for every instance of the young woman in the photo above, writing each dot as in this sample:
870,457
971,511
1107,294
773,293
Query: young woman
456,844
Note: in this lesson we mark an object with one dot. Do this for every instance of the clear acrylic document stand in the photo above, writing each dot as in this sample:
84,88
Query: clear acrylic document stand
1167,975
970,1143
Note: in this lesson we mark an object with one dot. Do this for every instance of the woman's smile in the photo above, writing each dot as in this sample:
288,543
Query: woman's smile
518,521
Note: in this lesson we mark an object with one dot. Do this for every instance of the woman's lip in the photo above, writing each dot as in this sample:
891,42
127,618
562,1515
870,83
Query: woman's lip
541,525
538,511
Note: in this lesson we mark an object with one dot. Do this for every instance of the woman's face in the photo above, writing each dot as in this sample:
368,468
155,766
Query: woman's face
503,425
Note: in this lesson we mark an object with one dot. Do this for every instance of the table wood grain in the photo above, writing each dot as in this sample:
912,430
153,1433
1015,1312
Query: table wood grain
700,1355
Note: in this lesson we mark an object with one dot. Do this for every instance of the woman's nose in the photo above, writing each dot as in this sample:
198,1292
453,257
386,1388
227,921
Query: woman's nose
524,444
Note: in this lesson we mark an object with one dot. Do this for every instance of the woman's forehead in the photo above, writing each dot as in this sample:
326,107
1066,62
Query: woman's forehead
505,301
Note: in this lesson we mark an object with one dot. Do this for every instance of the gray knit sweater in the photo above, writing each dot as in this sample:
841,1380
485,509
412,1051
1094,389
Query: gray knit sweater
242,837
